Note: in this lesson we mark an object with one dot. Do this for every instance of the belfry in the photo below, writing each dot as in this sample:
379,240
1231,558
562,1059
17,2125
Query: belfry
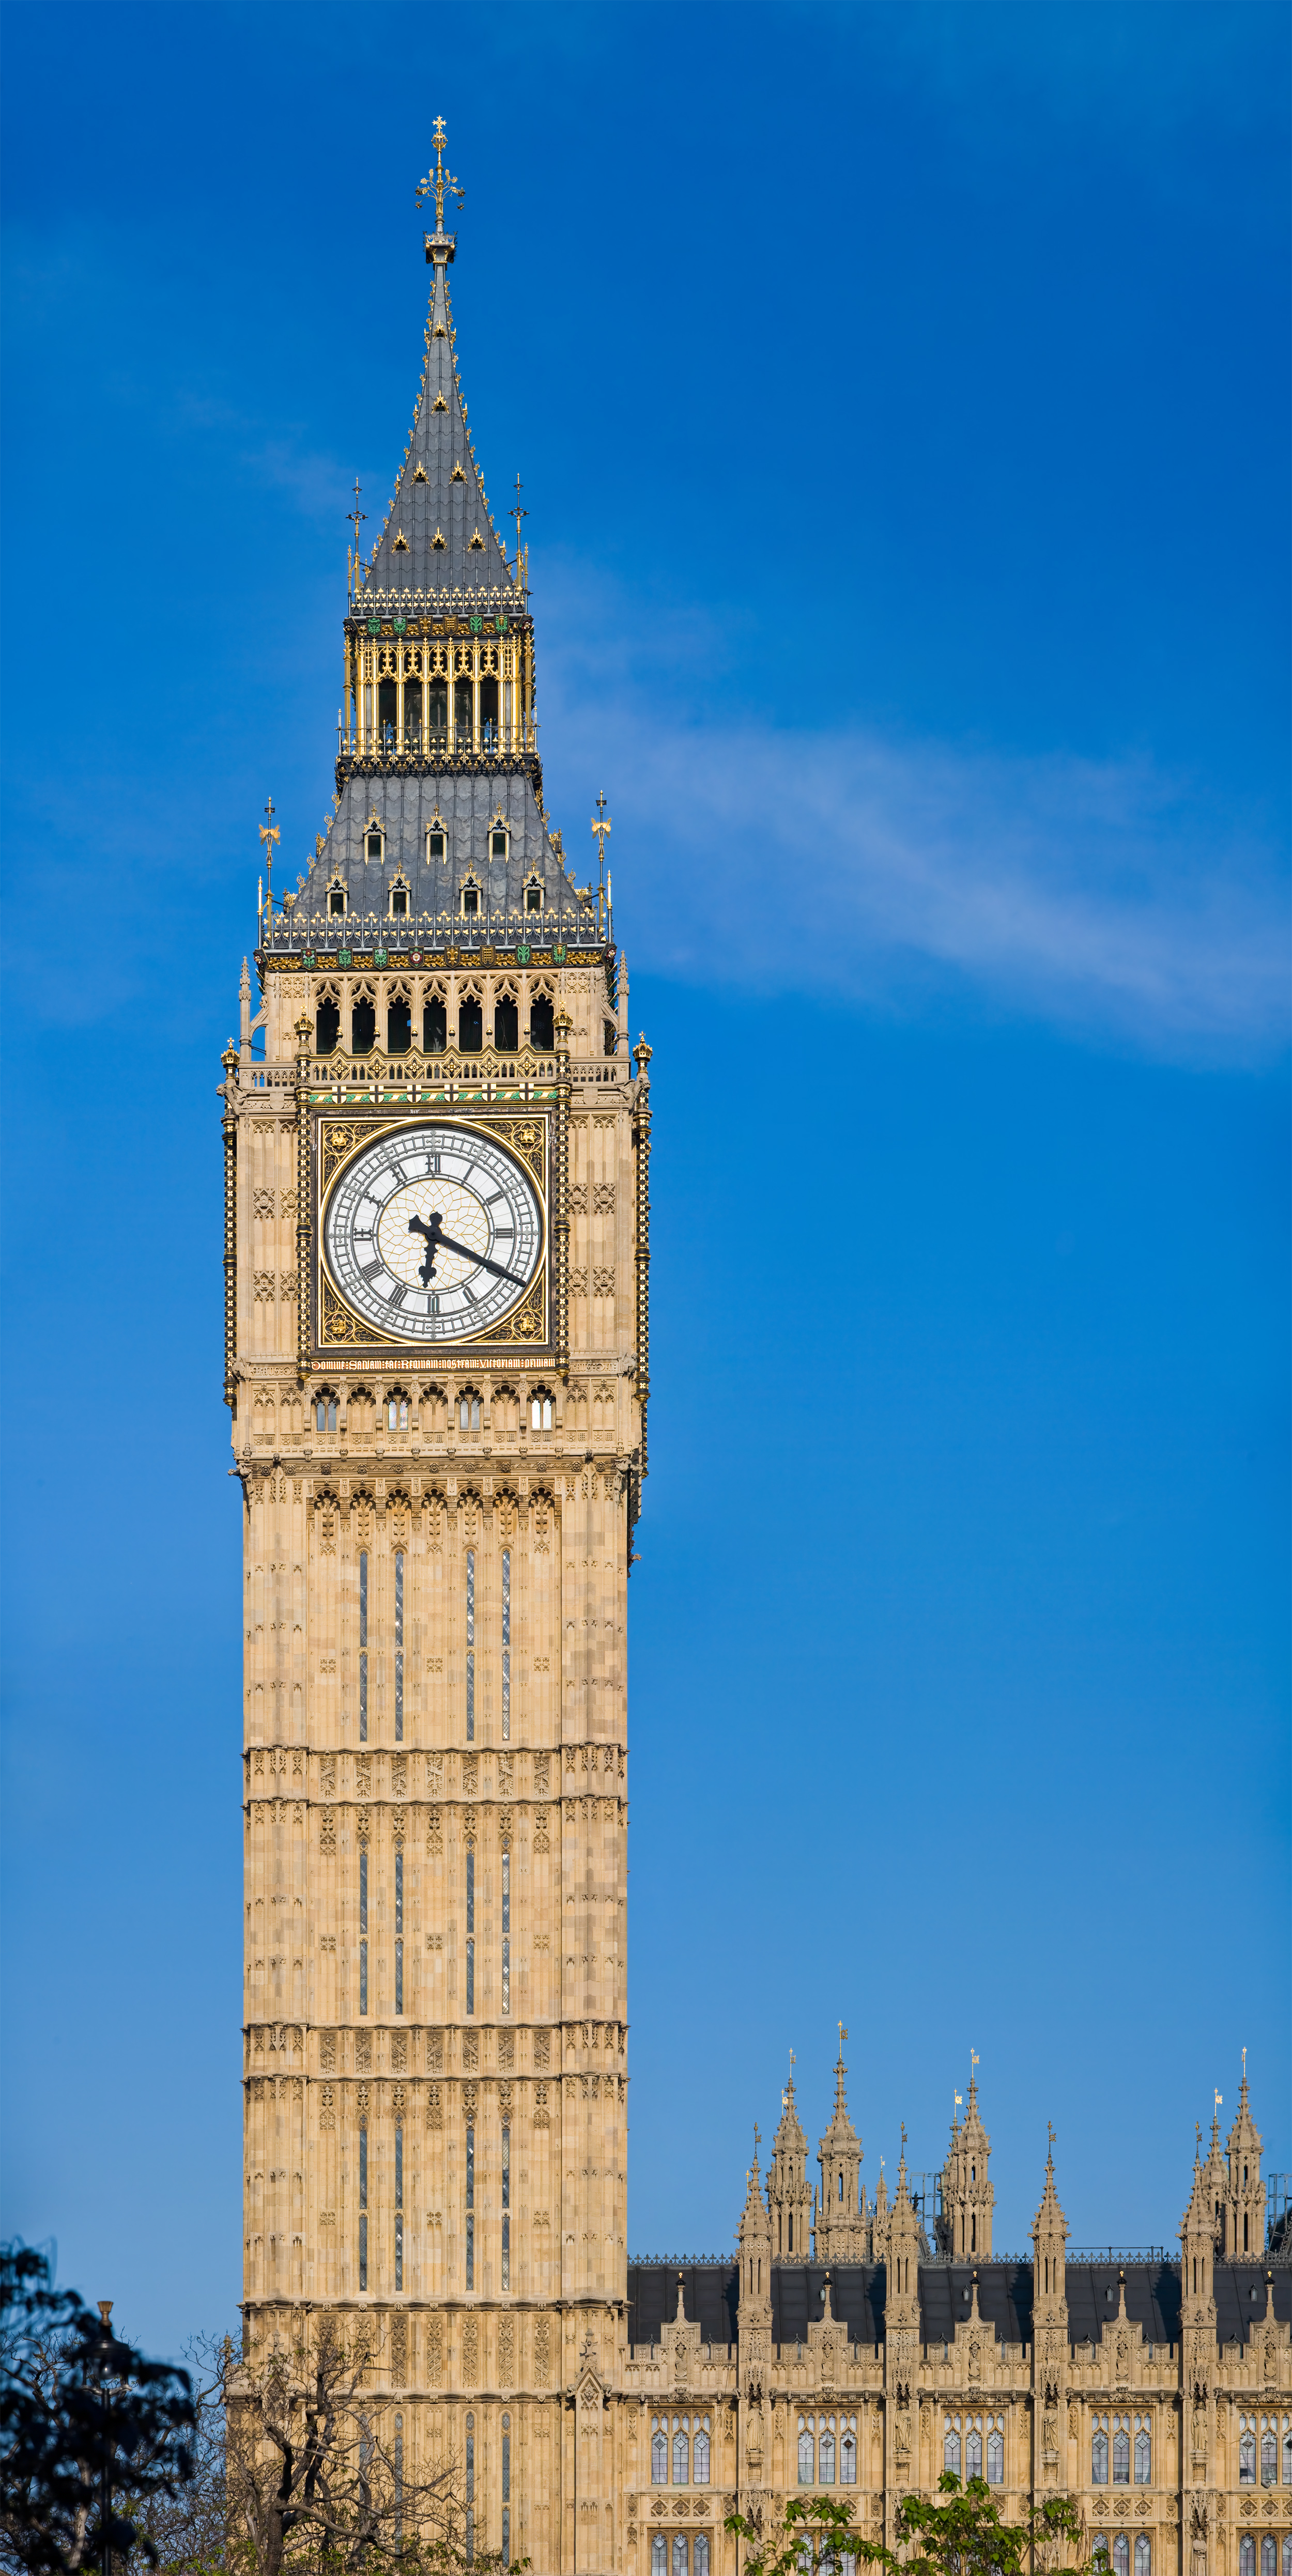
436,1257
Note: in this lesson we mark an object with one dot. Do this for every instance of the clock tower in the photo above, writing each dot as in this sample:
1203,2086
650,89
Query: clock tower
436,1241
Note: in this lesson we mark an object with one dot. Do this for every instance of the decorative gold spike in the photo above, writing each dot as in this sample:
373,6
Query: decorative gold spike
458,474
439,403
419,472
401,543
438,539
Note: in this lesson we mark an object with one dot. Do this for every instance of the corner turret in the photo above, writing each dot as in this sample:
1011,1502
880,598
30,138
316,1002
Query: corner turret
1242,2235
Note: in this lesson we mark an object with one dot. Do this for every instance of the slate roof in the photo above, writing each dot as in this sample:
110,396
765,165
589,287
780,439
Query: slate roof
440,501
466,803
857,2299
709,2295
1241,2295
1004,2300
1152,2300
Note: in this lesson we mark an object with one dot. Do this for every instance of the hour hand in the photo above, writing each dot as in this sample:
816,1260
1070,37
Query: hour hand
418,1225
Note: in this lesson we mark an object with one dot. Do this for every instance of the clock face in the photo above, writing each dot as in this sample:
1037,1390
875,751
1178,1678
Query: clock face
433,1234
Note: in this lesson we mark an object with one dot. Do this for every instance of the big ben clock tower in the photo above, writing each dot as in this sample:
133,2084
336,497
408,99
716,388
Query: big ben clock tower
436,1362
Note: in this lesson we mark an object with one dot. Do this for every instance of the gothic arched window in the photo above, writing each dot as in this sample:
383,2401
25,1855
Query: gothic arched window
540,1413
951,2451
328,1025
470,1023
435,1027
973,2454
825,2473
659,2555
807,2455
506,1024
1269,2554
541,1022
1143,2554
1247,2555
679,2553
1121,2455
700,2461
396,1410
1287,2555
1143,2452
658,2457
363,1024
1099,2457
995,2458
1121,2554
1269,2453
1247,2450
468,1412
848,2457
399,1024
1287,2465
700,2554
681,2460
325,1410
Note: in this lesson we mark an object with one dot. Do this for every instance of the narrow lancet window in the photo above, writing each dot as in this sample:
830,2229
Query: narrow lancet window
363,2207
506,2208
399,2208
506,1645
471,2212
471,1645
363,1645
363,1931
399,1645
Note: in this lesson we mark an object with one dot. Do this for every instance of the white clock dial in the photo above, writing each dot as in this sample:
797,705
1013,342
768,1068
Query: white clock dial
433,1233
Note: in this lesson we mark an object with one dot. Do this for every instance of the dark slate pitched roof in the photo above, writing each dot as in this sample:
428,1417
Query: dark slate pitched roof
466,802
454,507
1152,2300
857,2300
1004,2300
709,2296
1241,2297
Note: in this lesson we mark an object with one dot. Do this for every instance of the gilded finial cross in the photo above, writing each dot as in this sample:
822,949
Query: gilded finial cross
356,514
758,2140
438,181
601,825
518,514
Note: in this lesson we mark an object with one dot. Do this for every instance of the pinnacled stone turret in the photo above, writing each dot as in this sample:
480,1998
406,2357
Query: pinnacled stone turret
1050,2321
842,2234
1242,2207
789,2193
964,2228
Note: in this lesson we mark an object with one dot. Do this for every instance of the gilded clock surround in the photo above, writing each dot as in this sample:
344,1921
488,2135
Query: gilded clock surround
529,1139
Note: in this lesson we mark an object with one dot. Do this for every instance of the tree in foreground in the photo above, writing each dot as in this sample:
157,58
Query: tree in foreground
85,2423
319,2481
957,2533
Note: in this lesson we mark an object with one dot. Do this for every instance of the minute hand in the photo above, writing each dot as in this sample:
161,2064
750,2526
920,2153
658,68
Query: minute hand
478,1257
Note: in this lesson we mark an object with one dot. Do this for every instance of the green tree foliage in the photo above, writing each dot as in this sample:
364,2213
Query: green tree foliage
957,2533
84,2421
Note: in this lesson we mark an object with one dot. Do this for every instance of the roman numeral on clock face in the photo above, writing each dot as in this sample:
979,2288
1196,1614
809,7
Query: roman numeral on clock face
435,1233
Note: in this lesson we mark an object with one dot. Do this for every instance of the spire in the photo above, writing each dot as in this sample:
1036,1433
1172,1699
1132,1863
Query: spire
841,2207
1049,2220
902,2254
1244,2194
968,2195
1049,2245
438,533
789,2198
754,2236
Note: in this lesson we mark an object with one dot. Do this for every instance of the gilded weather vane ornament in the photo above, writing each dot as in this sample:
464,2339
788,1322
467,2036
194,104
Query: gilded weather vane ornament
439,182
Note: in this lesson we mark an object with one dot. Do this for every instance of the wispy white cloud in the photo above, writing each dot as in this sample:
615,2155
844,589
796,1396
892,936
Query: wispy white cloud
1101,894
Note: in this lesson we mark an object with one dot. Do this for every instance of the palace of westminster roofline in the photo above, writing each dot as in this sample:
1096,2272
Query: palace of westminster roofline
829,2252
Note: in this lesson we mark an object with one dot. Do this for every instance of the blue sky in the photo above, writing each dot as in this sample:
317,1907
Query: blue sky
901,399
